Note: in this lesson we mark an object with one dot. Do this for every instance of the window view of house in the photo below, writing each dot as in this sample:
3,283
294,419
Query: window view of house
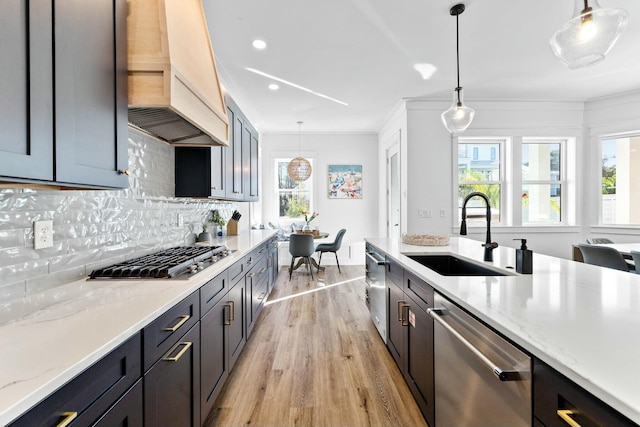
541,182
479,169
619,184
294,197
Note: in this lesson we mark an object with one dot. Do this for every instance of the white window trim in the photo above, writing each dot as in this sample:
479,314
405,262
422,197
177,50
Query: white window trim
312,187
511,180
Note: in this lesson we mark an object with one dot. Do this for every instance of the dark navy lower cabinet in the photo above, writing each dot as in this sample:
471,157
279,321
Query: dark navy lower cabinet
93,394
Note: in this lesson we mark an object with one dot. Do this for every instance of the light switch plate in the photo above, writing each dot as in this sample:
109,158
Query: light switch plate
42,234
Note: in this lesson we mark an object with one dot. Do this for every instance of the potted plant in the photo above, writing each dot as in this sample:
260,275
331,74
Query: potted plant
219,221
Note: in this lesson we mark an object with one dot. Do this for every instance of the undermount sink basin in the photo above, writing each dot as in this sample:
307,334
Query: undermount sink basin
449,265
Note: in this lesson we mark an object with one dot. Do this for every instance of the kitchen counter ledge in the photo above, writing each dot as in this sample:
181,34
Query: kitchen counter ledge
580,319
49,338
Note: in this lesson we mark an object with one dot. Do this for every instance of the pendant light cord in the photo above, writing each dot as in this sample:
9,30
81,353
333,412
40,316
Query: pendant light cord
458,57
299,127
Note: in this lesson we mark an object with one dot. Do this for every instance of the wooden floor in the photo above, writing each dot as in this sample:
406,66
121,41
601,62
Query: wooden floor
315,359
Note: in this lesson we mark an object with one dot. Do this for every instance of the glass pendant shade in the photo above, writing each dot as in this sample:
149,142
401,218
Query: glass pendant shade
587,37
458,117
299,169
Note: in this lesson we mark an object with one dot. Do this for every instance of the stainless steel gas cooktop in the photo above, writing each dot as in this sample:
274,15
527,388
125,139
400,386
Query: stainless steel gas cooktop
180,262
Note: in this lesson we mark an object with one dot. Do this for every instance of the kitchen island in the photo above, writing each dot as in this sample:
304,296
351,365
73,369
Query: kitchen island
49,338
579,319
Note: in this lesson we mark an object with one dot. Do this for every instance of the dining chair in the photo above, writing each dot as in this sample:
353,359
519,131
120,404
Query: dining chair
301,246
331,247
635,255
603,256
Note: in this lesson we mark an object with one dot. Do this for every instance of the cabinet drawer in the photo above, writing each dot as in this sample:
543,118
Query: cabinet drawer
256,255
394,271
165,331
91,393
418,290
238,270
213,291
553,392
127,412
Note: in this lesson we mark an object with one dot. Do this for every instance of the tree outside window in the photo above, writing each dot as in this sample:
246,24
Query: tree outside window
293,197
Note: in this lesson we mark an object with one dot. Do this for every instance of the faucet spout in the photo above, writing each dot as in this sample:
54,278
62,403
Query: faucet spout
489,246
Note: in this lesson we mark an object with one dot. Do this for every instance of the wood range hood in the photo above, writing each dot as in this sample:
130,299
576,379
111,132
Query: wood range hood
174,92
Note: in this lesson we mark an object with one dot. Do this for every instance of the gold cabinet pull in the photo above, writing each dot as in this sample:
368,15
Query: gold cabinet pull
227,321
250,275
124,172
565,414
181,322
262,271
187,345
400,313
233,310
405,322
68,417
261,297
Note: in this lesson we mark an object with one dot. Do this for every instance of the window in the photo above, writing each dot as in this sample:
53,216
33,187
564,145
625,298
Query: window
293,197
482,173
541,168
620,185
525,179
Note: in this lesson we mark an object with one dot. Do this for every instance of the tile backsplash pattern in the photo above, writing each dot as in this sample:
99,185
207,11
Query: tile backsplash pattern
93,228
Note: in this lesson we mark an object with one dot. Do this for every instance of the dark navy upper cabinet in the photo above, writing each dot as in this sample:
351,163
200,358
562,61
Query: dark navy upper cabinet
26,82
64,116
227,173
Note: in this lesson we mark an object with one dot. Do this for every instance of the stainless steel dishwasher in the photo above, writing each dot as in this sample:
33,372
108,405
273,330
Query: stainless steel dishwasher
480,378
376,293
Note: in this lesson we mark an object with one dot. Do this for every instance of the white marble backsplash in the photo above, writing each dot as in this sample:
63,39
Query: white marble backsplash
93,228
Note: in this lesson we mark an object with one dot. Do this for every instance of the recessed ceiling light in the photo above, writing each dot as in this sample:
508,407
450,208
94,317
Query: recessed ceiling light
274,86
425,70
288,83
259,44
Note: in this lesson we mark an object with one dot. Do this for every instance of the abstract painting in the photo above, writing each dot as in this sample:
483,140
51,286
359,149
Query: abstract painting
345,181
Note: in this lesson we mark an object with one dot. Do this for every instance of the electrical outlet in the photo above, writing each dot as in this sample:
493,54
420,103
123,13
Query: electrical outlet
422,213
42,234
443,213
180,220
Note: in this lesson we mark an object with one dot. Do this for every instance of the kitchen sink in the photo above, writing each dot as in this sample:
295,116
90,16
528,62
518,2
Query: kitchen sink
450,265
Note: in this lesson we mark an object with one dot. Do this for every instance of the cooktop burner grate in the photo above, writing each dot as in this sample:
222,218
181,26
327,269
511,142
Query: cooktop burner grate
181,261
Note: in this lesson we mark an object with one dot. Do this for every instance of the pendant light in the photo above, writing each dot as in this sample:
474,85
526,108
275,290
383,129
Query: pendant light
458,117
587,37
299,169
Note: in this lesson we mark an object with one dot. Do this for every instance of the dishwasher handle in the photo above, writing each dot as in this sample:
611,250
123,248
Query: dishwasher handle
503,375
376,260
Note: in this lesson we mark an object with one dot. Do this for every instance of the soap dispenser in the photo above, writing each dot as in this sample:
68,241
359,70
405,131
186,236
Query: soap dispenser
524,258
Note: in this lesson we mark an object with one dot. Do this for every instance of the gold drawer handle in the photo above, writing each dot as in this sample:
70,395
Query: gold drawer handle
68,417
187,345
565,414
124,172
262,271
401,311
250,275
181,322
261,297
233,310
405,322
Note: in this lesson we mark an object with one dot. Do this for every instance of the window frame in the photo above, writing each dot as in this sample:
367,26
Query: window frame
502,142
310,188
511,178
561,181
600,138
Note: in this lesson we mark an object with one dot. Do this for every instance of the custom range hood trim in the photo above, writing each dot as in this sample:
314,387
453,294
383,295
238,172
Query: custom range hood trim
173,86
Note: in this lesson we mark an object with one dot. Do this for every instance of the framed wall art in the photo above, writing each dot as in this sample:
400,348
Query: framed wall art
345,181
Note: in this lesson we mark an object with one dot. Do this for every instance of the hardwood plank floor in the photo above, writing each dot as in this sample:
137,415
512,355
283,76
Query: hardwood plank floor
316,359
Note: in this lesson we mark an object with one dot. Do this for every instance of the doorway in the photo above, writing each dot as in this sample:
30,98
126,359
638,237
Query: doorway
393,188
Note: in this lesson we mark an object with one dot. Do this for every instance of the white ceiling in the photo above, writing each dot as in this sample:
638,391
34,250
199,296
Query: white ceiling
362,52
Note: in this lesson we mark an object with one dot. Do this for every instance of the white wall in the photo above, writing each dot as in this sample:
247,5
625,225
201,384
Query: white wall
430,158
358,217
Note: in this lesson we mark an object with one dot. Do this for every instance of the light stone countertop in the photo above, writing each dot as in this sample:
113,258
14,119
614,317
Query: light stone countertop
49,338
582,320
